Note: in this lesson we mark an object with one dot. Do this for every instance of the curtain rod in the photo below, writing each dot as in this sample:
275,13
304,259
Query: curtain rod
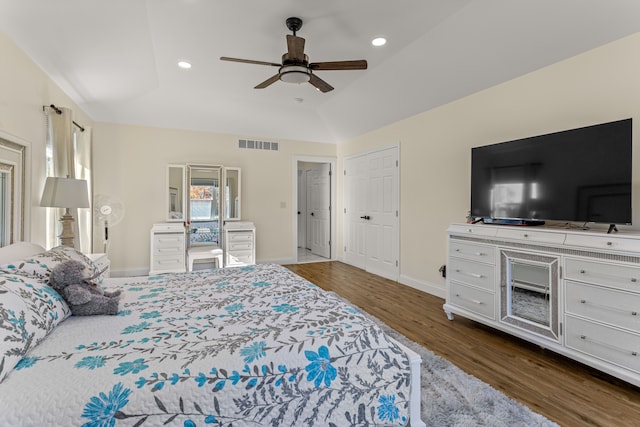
59,111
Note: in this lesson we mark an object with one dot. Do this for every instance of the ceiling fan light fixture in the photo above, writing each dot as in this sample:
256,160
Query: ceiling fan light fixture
294,74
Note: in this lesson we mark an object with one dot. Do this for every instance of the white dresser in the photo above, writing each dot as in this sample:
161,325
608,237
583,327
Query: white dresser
239,243
167,248
574,292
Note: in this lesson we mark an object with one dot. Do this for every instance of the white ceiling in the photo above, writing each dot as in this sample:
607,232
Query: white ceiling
117,58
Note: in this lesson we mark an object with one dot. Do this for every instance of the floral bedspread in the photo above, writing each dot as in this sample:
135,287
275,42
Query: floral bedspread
248,346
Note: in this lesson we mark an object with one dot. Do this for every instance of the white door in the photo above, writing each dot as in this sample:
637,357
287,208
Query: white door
302,209
355,202
320,210
371,212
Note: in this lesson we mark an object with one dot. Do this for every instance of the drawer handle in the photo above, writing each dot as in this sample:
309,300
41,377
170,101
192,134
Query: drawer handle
583,272
634,280
470,230
582,301
476,275
457,250
479,254
609,243
526,235
609,346
475,301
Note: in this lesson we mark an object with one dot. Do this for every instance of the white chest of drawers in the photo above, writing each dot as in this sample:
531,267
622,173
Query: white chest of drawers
239,243
596,303
167,248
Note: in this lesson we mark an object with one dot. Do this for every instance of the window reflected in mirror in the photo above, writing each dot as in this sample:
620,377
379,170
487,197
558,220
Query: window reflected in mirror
204,193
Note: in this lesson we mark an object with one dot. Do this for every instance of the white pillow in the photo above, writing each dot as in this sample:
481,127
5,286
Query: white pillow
18,251
29,310
40,264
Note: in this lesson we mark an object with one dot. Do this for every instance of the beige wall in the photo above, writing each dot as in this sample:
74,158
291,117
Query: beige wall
130,165
24,89
598,86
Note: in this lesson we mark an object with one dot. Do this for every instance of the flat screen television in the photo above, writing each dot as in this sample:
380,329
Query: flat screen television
581,175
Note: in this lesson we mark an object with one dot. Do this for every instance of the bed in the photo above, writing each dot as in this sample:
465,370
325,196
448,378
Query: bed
255,345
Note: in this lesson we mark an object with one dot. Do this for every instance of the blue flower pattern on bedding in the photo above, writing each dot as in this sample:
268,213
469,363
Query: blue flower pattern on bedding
212,347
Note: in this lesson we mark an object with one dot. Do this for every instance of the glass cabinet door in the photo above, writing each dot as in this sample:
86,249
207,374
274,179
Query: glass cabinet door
175,193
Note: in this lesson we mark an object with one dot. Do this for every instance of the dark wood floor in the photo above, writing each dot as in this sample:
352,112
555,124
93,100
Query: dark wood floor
563,390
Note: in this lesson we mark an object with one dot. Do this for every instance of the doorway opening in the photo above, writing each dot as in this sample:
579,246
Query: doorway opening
314,200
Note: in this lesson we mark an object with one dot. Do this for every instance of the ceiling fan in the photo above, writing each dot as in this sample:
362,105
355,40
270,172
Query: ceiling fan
295,66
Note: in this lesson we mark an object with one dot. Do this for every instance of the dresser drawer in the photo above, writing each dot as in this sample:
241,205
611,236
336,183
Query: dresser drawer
240,246
614,275
524,233
605,305
472,299
240,236
603,242
168,240
473,273
160,251
240,258
609,344
164,263
473,229
470,251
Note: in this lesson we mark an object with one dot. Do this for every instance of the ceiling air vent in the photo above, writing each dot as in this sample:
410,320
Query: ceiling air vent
251,144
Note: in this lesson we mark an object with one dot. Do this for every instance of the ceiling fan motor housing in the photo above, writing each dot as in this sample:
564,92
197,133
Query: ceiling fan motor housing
294,24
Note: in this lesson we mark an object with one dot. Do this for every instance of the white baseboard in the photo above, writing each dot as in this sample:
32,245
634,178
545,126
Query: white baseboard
430,288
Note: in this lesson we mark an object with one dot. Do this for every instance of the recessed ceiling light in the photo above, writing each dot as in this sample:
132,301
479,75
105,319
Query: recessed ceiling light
379,41
184,64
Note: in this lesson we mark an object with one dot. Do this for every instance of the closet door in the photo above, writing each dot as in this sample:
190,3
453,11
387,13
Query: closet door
371,212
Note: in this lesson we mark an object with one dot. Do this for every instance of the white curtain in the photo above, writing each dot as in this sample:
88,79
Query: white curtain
82,170
68,153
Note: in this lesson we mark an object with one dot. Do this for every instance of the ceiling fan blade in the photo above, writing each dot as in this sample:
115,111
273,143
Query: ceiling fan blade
271,80
295,45
320,84
249,61
360,64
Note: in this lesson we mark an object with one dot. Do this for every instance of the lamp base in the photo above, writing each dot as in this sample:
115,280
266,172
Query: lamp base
67,237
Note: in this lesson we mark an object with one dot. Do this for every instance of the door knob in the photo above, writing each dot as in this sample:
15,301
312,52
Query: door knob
311,213
367,217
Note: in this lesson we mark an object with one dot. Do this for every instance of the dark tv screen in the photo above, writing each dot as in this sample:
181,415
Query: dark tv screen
581,175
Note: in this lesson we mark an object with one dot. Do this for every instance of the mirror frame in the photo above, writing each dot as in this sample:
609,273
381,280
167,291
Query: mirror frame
225,173
181,191
506,316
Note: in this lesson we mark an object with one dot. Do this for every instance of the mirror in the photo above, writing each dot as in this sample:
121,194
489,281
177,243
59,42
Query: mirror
175,192
529,292
232,194
204,204
204,193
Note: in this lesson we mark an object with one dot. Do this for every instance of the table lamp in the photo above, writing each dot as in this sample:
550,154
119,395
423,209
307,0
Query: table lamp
65,193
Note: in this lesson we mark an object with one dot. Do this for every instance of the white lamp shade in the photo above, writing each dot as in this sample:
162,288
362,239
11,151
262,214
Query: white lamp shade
65,193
